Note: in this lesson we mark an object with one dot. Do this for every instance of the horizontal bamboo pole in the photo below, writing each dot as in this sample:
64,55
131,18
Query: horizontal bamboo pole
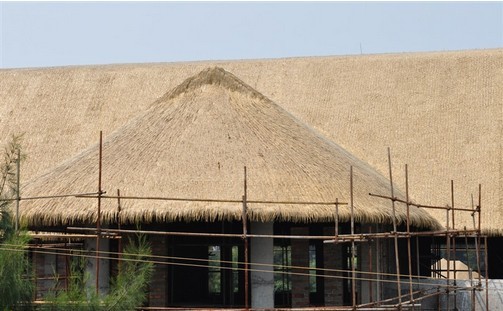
420,205
210,200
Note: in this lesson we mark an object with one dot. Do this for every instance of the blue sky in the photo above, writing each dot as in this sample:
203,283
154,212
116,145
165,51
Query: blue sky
35,34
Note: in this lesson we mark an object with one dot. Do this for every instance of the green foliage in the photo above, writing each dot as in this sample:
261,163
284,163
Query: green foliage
76,297
128,289
15,285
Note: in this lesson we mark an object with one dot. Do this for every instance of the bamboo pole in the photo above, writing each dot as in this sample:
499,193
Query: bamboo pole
371,294
454,246
418,266
409,255
336,218
98,221
397,261
418,205
448,255
18,183
119,246
245,238
360,237
470,273
156,198
353,270
486,272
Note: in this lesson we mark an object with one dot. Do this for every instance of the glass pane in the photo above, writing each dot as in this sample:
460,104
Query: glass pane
312,266
282,262
214,271
235,275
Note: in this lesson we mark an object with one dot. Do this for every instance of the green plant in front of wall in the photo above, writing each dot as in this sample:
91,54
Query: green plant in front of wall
16,288
128,289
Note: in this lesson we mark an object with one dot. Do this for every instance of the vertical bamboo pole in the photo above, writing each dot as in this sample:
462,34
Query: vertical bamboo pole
470,273
119,246
378,268
448,255
479,232
18,183
395,233
353,270
67,266
486,261
98,221
454,246
409,252
336,217
418,266
371,294
477,242
486,272
245,238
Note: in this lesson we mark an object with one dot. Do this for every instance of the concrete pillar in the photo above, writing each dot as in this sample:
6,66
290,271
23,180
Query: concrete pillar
300,258
261,251
332,259
104,277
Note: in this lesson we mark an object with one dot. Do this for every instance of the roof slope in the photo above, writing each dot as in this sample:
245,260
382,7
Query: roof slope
440,112
193,143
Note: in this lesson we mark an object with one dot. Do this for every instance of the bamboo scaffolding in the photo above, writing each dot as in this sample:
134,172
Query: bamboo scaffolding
328,238
450,233
90,255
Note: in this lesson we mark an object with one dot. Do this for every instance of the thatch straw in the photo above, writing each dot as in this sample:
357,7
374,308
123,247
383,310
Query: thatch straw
194,143
439,112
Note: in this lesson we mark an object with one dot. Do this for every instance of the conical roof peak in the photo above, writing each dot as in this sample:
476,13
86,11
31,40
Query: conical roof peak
212,76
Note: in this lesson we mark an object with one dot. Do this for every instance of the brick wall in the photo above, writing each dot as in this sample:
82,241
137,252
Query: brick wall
158,289
332,258
300,257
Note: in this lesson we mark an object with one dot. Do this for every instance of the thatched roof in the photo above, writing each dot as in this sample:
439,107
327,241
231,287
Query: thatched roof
439,112
193,143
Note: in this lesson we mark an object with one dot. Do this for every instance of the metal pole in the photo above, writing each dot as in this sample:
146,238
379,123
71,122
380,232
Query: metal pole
245,238
397,261
98,221
18,196
353,271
